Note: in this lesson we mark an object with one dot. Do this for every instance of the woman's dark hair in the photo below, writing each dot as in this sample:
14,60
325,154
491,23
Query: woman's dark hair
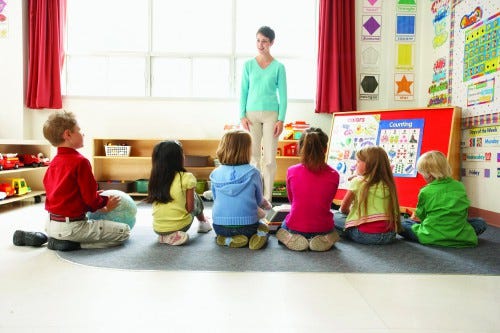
312,148
267,32
167,160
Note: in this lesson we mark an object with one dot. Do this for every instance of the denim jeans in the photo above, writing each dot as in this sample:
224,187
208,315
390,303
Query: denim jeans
477,223
247,230
358,236
305,234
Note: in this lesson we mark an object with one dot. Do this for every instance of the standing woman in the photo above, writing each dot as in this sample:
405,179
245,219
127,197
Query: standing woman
263,105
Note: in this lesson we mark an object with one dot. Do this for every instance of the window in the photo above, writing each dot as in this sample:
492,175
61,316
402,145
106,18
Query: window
186,49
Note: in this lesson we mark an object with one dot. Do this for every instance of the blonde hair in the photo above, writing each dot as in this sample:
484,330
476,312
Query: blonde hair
235,148
56,124
434,164
378,170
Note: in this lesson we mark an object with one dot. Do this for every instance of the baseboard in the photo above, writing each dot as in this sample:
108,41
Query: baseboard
491,218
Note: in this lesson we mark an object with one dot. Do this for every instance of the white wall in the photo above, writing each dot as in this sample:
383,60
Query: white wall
11,73
143,118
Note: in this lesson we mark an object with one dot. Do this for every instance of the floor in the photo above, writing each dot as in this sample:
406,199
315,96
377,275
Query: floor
39,292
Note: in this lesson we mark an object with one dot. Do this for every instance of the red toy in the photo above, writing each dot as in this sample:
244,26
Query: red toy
7,189
29,159
10,161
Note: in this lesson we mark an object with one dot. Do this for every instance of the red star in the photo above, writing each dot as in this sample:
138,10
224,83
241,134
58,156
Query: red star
404,85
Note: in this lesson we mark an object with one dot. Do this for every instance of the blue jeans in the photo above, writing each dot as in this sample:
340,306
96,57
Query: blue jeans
477,223
247,230
305,234
358,236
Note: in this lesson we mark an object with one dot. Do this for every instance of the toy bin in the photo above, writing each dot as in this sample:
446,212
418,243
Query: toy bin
126,186
279,189
121,151
141,185
201,186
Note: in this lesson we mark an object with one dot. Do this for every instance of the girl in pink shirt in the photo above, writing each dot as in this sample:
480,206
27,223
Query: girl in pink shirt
311,187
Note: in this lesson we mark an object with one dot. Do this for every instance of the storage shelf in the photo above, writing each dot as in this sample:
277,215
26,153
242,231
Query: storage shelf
32,176
33,194
138,164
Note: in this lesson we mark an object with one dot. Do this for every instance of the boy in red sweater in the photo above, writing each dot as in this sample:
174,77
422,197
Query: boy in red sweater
71,192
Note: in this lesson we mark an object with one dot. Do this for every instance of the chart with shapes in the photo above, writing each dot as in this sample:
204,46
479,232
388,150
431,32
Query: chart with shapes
349,134
402,139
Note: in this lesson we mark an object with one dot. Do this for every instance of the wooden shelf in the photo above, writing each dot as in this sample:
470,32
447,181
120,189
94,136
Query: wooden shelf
138,164
33,176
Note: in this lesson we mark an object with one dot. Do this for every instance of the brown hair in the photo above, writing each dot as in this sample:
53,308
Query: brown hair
312,148
235,148
56,124
378,170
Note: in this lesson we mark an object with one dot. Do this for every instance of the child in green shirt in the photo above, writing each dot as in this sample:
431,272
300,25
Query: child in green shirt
441,214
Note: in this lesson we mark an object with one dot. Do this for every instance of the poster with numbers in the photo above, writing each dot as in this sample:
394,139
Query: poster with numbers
402,139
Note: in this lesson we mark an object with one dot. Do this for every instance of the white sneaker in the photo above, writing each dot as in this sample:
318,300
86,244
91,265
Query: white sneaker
204,227
208,195
175,238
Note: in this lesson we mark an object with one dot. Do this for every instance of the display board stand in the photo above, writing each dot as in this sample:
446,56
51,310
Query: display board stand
405,134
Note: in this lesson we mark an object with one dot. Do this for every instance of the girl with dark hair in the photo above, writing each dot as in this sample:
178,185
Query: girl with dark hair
171,191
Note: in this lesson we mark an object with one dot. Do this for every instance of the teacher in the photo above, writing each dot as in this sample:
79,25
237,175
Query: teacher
263,104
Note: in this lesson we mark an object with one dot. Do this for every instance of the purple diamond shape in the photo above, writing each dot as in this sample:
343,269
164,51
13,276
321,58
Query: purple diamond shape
371,25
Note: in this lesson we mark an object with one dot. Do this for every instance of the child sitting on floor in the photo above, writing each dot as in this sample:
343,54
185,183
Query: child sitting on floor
171,191
441,214
369,212
71,191
310,222
237,193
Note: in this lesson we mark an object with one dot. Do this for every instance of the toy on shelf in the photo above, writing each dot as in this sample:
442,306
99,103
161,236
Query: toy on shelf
7,189
30,160
9,161
44,160
293,130
20,186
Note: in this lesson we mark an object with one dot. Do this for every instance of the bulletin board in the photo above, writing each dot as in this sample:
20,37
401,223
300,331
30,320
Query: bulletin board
405,134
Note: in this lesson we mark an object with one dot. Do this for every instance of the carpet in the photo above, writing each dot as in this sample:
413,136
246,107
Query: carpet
143,252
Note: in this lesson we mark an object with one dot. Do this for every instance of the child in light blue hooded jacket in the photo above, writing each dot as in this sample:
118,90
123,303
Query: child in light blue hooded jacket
237,193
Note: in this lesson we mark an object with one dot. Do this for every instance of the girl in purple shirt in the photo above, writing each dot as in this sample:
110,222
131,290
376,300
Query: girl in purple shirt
311,187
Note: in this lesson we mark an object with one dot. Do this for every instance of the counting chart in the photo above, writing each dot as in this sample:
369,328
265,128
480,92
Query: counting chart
402,139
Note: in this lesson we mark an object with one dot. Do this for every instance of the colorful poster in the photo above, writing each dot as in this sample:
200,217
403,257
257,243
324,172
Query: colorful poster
481,92
368,87
371,28
405,28
409,6
403,86
402,139
4,25
356,131
404,56
372,6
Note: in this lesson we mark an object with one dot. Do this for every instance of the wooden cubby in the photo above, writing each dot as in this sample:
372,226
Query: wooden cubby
138,164
33,176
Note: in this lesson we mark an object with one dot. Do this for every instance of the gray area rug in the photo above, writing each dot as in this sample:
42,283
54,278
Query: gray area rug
143,252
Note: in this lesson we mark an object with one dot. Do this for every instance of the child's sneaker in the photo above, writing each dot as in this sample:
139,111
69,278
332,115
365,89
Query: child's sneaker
323,242
259,240
175,238
235,241
22,238
295,242
207,195
204,227
62,245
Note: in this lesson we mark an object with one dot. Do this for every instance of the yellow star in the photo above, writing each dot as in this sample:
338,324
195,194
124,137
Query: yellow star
404,85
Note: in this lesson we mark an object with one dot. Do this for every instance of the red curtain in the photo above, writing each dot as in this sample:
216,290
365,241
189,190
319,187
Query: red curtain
46,53
336,85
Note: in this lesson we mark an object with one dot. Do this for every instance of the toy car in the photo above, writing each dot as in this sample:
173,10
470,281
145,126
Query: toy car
9,161
7,189
30,159
20,186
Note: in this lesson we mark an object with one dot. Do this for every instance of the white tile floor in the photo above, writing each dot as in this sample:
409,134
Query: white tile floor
39,292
